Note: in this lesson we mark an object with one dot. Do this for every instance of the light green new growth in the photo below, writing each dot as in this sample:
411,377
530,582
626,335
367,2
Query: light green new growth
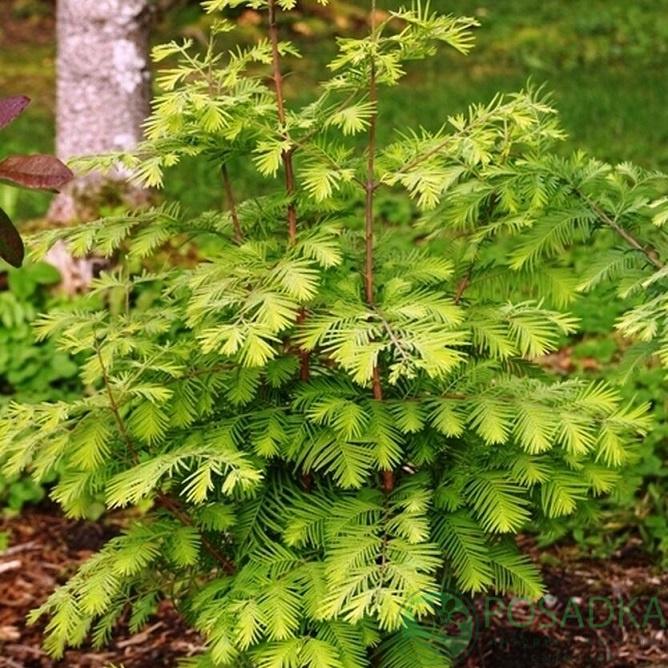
327,422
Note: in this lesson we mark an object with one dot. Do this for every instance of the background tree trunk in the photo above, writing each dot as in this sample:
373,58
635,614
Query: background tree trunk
103,93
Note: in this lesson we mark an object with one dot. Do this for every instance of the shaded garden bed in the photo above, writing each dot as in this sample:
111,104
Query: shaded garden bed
44,551
569,631
597,614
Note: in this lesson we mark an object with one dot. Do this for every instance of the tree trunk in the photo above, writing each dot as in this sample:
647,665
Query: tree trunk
103,92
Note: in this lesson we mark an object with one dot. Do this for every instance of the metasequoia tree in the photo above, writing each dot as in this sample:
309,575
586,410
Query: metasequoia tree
103,88
327,423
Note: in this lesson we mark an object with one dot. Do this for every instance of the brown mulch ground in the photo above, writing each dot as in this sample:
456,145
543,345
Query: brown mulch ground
597,614
45,549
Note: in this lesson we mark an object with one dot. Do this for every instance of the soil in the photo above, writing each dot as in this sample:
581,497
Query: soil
573,628
610,613
44,550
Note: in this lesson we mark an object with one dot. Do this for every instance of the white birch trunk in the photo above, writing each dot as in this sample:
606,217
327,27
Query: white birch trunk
103,88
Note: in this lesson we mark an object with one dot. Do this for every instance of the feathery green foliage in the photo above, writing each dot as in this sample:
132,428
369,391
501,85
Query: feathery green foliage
326,423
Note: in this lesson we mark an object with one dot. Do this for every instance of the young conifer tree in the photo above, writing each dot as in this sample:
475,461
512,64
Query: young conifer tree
325,422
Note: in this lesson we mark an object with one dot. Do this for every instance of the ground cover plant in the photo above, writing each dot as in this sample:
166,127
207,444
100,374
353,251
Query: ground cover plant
30,370
327,422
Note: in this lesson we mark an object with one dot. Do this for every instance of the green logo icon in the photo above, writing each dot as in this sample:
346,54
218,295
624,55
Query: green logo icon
453,628
457,625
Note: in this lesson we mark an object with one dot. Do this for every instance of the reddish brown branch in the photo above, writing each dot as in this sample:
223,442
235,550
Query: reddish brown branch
162,499
305,376
304,357
375,384
388,481
461,288
288,164
113,405
369,217
291,189
463,285
649,252
370,192
232,204
175,509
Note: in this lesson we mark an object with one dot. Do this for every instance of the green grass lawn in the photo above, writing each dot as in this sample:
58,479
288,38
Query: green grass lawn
604,61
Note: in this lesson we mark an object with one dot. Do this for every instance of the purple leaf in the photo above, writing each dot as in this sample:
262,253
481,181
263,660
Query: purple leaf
11,245
11,107
35,171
